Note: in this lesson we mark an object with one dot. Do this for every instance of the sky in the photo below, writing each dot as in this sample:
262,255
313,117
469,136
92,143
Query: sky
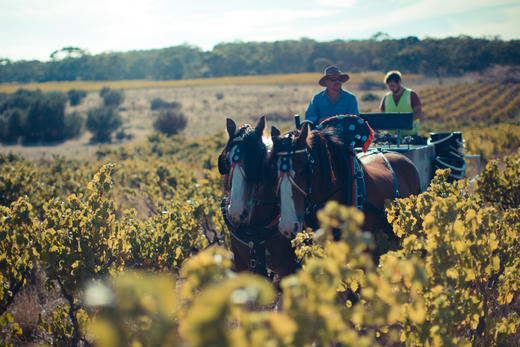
33,29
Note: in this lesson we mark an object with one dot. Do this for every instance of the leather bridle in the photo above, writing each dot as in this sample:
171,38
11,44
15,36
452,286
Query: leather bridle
254,237
284,169
236,160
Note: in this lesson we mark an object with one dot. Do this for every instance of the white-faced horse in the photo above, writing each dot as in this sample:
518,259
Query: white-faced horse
251,210
314,167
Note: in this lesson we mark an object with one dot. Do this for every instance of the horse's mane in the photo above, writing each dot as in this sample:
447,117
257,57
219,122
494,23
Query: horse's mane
332,154
254,155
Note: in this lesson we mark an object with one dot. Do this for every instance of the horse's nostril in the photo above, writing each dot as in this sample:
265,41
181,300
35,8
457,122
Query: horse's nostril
296,228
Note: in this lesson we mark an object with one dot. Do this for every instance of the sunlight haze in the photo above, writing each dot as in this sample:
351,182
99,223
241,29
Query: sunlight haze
33,29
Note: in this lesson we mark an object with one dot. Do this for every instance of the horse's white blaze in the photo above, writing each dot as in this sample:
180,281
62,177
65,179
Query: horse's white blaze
268,142
237,198
289,223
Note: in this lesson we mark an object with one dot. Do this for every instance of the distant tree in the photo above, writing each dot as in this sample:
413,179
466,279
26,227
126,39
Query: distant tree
379,36
452,55
321,63
439,56
102,122
168,68
68,52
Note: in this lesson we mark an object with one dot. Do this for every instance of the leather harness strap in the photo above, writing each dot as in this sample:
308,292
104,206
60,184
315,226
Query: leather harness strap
362,199
396,182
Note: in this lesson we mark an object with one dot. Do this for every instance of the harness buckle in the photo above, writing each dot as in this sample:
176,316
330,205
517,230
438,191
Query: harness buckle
252,263
252,255
287,234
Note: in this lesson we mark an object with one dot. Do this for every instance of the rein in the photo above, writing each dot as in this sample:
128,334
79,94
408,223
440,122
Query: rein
284,171
310,207
254,237
236,160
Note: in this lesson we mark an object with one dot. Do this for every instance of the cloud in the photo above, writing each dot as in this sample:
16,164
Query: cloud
426,12
101,25
505,25
433,8
337,3
246,25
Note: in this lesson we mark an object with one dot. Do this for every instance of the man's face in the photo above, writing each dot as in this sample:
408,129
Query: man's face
394,86
333,83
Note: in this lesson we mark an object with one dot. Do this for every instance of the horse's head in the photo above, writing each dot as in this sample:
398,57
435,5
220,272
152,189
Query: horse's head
243,163
306,164
291,162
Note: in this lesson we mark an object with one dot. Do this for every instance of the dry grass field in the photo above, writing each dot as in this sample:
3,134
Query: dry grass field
206,103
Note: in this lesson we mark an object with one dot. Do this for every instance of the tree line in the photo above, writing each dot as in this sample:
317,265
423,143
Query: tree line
438,57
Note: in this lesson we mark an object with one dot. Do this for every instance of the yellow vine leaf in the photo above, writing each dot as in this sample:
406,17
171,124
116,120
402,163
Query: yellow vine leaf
496,263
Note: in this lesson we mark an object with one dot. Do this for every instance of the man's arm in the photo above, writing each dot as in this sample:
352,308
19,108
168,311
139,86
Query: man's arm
382,104
355,109
416,106
312,112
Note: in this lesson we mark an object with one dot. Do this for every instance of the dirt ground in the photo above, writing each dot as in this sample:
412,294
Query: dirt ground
206,108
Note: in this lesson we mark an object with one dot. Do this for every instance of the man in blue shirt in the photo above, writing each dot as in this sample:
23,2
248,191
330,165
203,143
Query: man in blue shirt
333,100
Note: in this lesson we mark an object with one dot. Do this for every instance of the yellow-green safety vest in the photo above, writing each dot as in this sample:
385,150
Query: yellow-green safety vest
404,105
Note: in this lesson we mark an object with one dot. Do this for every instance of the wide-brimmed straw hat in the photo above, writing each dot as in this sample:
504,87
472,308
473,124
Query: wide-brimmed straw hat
333,71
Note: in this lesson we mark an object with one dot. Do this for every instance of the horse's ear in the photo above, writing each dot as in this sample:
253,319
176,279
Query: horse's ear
231,127
274,132
302,137
260,125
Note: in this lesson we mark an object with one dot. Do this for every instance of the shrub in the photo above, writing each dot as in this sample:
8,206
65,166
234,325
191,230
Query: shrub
122,135
104,91
22,99
36,117
369,97
279,116
158,104
45,119
170,122
73,124
102,122
11,125
369,84
113,98
219,96
76,96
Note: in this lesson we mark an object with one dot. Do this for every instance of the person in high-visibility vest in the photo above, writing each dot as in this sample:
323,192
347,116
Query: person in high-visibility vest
400,99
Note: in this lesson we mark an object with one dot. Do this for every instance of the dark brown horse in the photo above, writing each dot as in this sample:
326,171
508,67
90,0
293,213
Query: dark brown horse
314,167
251,210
